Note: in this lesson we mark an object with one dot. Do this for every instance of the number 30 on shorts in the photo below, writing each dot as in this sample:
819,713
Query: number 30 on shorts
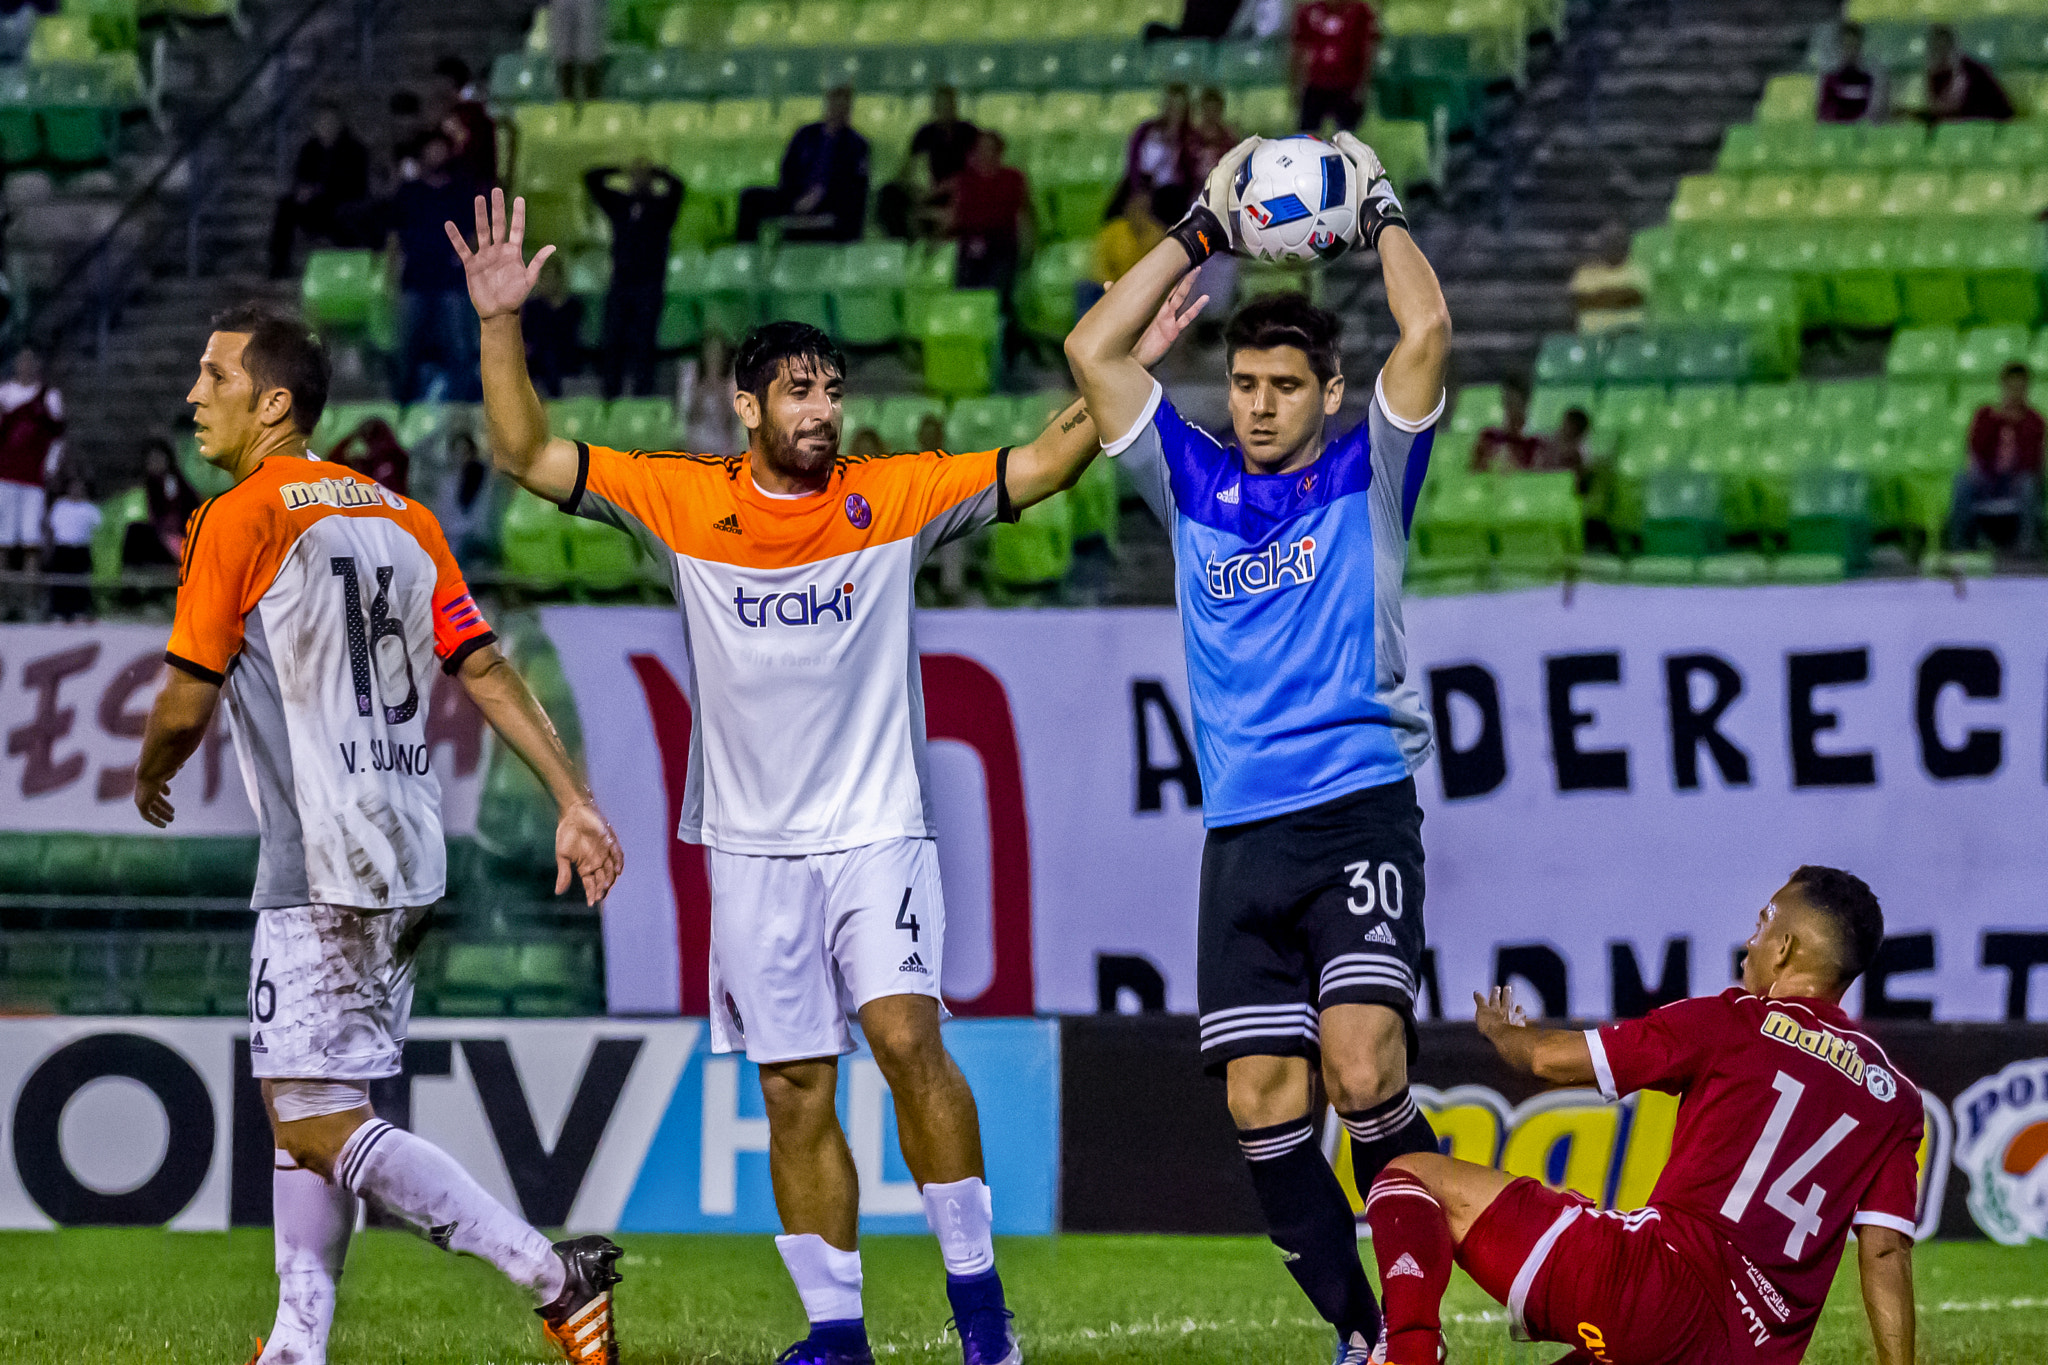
1381,889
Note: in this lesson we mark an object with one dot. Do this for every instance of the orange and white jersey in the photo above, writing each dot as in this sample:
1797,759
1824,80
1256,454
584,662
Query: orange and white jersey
804,682
321,601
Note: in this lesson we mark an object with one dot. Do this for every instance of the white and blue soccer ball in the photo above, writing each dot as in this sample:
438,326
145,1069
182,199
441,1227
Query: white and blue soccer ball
1297,199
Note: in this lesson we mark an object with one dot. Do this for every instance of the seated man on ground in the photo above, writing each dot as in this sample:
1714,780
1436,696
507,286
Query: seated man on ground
2003,477
1792,1128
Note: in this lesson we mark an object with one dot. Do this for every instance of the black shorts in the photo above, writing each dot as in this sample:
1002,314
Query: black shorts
1314,908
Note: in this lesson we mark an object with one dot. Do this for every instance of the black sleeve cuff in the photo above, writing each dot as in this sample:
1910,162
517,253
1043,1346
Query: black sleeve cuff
467,648
575,498
1005,509
204,674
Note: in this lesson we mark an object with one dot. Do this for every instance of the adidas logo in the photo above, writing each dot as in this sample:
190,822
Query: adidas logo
256,1044
1228,495
730,522
1380,933
913,963
1405,1266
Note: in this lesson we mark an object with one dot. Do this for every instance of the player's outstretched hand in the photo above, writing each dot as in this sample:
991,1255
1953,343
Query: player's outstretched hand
153,799
1379,207
500,276
1217,190
1498,1011
584,842
1173,318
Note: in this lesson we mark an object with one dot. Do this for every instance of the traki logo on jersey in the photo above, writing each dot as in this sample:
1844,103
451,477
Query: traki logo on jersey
1263,570
804,608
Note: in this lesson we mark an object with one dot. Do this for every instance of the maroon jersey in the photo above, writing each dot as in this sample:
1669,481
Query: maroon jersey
1792,1125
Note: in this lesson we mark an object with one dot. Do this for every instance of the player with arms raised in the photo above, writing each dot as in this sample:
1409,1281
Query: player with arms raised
317,603
1792,1127
793,568
1289,550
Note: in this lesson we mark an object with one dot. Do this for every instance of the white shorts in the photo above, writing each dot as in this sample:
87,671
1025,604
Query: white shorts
21,514
799,944
330,991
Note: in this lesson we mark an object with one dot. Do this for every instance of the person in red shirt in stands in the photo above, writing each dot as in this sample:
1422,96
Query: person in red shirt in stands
990,218
1793,1127
1510,445
2003,477
1335,42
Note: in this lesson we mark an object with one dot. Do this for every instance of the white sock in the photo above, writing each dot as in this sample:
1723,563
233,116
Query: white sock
423,1185
960,1214
827,1279
312,1218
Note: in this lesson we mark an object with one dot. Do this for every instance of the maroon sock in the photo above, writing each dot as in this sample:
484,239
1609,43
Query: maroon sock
1411,1239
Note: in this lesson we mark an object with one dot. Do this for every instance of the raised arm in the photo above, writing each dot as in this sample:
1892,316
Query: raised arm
1413,377
1103,347
583,838
177,724
1062,451
1884,1257
500,278
1559,1056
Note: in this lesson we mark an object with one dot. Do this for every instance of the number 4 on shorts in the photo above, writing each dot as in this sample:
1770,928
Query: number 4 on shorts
904,919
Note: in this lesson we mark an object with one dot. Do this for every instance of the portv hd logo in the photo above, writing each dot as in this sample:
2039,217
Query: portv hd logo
794,608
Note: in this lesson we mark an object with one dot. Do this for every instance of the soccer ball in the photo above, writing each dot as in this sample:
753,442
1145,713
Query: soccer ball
1297,199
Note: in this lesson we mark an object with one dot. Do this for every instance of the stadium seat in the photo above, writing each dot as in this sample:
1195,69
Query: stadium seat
79,108
1094,505
641,424
1788,99
1890,147
1863,281
534,540
899,418
1847,194
342,418
1478,407
1549,403
1636,358
62,38
729,290
928,275
1986,350
1830,515
341,289
962,333
1567,358
980,423
601,556
2005,260
1537,525
800,283
1046,300
1706,198
1934,286
1768,307
867,297
1454,525
1033,552
1922,351
1681,513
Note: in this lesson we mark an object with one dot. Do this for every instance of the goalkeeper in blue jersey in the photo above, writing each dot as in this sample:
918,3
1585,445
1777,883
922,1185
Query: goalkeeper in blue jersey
1288,551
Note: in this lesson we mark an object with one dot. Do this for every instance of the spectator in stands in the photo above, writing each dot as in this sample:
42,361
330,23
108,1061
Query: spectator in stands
1158,154
434,317
931,432
1565,448
1959,87
2003,477
991,219
73,521
1851,92
409,133
578,31
706,392
1609,291
471,132
915,203
552,323
373,449
1125,239
1330,64
172,500
823,192
31,448
1198,19
466,510
1209,141
1508,445
17,29
330,180
866,442
643,216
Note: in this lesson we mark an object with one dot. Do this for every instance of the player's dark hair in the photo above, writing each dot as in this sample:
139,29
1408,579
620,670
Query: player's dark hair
283,353
1288,319
765,350
1851,909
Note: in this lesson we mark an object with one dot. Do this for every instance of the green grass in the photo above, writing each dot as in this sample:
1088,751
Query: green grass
88,1296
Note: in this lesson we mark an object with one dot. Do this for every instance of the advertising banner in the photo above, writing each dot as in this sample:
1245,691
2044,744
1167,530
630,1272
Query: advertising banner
1624,776
73,703
593,1125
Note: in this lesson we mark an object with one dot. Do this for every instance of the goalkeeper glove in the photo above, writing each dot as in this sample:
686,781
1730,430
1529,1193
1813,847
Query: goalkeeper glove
1210,224
1378,207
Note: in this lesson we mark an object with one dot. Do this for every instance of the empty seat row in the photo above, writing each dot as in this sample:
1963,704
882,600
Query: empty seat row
1861,195
1777,148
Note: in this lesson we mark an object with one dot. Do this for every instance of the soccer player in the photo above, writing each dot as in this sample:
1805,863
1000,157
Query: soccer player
793,567
316,602
1288,549
1792,1127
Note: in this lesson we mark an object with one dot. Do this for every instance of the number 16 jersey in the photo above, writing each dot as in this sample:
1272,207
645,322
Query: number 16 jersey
321,603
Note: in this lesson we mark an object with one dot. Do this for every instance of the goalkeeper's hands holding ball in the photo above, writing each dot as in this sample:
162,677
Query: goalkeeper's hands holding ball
1378,207
1209,226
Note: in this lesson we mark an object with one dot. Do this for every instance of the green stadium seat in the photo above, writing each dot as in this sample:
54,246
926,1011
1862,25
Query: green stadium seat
980,423
867,297
1934,286
730,288
928,276
900,417
1033,552
62,38
1923,351
1637,358
1916,194
1707,198
1046,300
1681,513
1845,402
1628,408
577,419
2022,144
1771,197
1830,515
641,424
1743,152
1960,145
879,23
342,418
1245,65
1549,403
79,107
1454,525
1566,358
1182,60
1986,350
1094,504
1699,406
1014,114
1537,524
342,289
1863,281
759,24
524,78
962,333
21,134
1267,110
1847,194
1788,99
1915,402
534,540
601,556
1478,407
1769,308
116,513
1890,147
800,284
912,69
220,867
149,867
2005,260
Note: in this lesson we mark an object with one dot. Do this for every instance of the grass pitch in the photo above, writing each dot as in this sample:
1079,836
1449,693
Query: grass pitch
88,1296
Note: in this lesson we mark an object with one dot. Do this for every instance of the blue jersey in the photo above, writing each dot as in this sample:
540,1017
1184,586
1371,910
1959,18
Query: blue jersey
1290,602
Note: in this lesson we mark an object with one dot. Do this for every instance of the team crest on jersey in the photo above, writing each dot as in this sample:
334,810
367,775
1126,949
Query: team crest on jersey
1831,1047
858,512
2002,1145
343,493
1266,570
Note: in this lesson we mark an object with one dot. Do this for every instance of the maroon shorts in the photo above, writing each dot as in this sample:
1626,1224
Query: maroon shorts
1607,1283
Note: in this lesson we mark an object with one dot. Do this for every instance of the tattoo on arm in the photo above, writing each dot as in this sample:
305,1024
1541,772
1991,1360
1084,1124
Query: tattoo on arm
1074,421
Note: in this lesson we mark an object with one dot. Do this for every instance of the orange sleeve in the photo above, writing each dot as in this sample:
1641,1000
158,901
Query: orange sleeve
655,491
946,481
459,625
230,558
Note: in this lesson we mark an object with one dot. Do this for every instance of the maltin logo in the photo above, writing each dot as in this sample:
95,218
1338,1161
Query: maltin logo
2002,1145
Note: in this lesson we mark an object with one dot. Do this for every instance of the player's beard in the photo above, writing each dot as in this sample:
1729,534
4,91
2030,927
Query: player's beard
804,453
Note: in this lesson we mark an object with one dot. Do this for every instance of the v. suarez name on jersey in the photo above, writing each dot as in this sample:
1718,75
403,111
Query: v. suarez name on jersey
1290,602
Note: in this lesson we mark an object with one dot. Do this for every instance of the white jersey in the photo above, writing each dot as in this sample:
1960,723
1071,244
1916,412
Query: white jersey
805,691
321,602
